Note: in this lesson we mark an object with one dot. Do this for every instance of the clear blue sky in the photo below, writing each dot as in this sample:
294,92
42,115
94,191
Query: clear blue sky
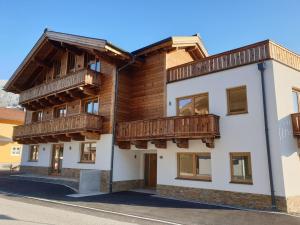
223,25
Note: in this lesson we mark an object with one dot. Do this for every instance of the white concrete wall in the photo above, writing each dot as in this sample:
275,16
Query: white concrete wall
239,133
72,156
286,79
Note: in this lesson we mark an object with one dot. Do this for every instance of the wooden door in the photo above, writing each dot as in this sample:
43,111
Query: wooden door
57,157
150,170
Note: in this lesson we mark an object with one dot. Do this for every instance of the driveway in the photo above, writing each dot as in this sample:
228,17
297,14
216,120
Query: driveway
146,205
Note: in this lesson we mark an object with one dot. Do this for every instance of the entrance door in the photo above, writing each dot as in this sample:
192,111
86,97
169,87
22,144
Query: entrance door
150,170
57,157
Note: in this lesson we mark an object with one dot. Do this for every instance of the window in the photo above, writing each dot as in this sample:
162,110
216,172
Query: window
57,68
193,105
194,166
296,101
15,151
92,63
37,116
88,152
92,106
34,153
237,100
240,164
71,62
60,112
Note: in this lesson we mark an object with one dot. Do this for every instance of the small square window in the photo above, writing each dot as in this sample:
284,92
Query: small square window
237,100
241,171
16,151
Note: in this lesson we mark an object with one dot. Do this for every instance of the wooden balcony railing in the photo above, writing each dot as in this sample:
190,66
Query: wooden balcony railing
178,128
238,57
59,128
296,126
77,79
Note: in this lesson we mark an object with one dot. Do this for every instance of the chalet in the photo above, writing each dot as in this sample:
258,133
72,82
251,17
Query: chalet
222,129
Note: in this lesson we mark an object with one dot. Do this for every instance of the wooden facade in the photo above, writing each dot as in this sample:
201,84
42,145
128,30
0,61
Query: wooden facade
296,126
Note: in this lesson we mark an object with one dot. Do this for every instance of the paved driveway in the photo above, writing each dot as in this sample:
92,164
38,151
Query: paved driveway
147,205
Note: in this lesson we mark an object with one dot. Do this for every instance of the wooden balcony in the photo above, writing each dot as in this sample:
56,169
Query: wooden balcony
64,129
72,86
179,129
296,126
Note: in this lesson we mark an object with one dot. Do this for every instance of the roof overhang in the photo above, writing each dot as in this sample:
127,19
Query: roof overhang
193,44
53,40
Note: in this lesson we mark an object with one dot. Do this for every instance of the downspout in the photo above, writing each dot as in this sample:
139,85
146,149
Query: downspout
114,122
262,67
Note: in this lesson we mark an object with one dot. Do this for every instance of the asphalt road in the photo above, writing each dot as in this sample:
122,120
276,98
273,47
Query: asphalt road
136,205
19,213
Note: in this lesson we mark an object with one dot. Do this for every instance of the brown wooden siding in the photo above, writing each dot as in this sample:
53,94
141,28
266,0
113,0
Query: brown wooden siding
148,88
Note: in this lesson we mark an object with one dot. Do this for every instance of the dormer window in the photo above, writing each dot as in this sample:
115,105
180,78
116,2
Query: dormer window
71,62
56,68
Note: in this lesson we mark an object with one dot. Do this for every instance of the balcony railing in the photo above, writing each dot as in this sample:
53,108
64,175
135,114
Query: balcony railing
238,57
59,126
205,127
77,79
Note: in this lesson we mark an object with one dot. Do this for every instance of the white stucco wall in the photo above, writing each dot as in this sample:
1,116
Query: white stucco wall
239,133
286,79
71,157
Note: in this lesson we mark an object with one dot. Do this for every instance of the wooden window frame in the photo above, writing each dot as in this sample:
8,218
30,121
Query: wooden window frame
91,99
56,75
31,159
228,100
81,153
240,154
71,70
35,116
57,108
193,102
195,176
297,90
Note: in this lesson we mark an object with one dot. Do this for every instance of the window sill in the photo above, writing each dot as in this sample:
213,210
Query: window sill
193,179
86,162
32,160
241,182
236,113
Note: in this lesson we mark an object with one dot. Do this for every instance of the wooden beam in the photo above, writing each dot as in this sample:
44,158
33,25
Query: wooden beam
91,135
209,142
76,136
140,144
62,137
124,144
50,139
40,62
159,143
89,91
71,48
182,142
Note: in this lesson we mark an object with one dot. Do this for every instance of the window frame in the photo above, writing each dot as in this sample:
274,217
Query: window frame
193,97
31,159
240,154
297,91
195,176
228,100
71,70
55,66
88,100
81,160
35,116
55,115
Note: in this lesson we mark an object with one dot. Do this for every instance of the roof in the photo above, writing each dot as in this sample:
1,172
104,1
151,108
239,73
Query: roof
13,116
47,37
175,42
